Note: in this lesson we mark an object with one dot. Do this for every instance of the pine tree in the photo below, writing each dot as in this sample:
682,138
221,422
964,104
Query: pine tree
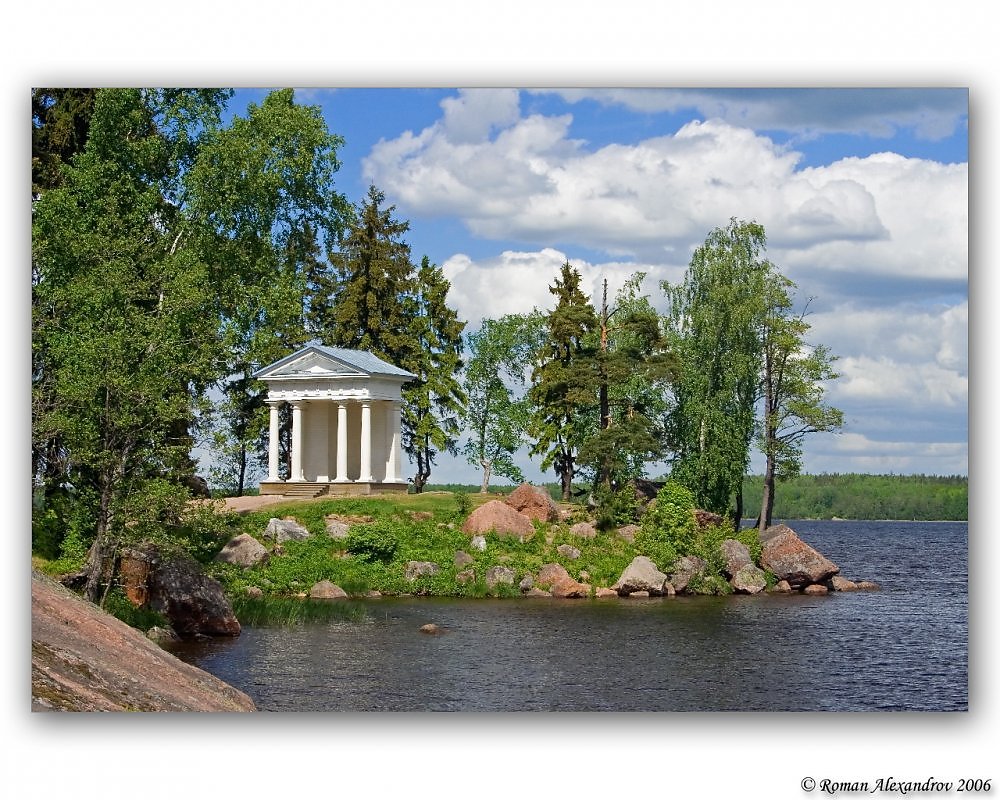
400,314
631,365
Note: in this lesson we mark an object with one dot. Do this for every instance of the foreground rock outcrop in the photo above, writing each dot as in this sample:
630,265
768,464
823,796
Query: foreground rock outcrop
83,659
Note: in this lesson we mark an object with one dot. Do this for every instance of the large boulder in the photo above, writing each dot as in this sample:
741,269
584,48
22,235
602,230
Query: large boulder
497,575
498,517
327,590
550,574
585,530
420,569
792,560
284,530
567,587
177,587
686,568
748,580
243,551
737,556
534,503
641,575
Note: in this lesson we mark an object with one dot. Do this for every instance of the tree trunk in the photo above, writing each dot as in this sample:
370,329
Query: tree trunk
739,508
566,476
484,488
243,471
97,569
767,501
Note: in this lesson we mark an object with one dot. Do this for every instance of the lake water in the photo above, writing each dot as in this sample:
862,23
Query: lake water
904,648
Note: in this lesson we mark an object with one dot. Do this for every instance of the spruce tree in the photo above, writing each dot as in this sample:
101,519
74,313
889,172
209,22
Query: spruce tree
564,382
383,305
434,402
372,286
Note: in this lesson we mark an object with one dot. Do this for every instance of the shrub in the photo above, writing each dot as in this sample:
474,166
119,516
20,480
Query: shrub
616,508
463,504
669,529
376,541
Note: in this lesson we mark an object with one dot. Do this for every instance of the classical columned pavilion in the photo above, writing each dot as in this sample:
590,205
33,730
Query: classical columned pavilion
346,407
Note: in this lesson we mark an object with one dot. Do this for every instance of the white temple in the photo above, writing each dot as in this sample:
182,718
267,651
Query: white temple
345,422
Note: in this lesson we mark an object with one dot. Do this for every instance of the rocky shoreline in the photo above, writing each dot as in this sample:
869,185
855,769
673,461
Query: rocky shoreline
795,565
83,659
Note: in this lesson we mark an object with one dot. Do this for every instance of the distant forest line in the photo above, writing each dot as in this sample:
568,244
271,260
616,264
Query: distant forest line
843,496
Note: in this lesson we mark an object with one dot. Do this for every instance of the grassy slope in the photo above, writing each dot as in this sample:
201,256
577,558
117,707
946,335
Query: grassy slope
434,539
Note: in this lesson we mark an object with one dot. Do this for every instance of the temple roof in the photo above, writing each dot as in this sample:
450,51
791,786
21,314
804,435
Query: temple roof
320,361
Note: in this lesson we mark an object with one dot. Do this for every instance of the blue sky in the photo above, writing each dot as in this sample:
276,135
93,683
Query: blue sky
863,193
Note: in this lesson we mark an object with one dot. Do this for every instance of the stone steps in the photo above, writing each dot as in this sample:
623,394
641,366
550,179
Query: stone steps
308,490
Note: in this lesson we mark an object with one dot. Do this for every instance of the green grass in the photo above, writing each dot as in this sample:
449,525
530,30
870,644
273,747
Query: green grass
295,611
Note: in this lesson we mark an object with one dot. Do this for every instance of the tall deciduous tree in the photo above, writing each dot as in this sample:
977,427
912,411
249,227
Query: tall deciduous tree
156,272
792,391
747,371
497,412
714,321
564,382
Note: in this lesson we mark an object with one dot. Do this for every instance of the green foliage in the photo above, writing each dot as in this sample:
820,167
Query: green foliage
463,505
616,507
710,583
668,528
119,606
749,537
435,400
375,542
497,413
714,318
158,271
631,366
563,382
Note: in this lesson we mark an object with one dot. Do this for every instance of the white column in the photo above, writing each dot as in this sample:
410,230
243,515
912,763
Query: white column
366,442
296,441
341,443
272,442
392,444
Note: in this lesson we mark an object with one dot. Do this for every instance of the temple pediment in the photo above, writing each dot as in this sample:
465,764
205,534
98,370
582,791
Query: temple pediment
318,361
